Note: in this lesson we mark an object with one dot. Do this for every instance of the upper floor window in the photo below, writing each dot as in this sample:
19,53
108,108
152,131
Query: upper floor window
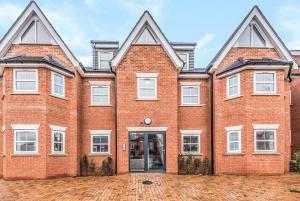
264,82
58,84
233,86
190,95
100,94
25,80
104,57
185,58
147,88
36,32
265,140
58,142
25,141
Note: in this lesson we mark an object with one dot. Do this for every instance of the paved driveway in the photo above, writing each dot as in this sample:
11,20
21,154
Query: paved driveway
164,187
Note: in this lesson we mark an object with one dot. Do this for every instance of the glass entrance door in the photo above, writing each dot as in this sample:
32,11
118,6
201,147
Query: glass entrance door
147,151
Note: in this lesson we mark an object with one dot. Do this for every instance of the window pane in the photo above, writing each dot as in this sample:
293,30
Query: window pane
234,136
100,90
20,146
107,56
104,148
29,35
43,35
260,145
194,147
58,89
260,135
234,146
58,137
186,139
58,79
186,148
25,86
147,83
264,87
264,77
194,139
100,99
104,139
269,135
233,81
25,136
58,147
26,75
104,64
96,139
270,145
147,92
96,148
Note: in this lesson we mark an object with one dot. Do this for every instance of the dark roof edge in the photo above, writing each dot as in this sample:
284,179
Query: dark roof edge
104,42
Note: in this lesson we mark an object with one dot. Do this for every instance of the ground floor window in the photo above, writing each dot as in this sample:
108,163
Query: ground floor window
265,140
58,142
26,141
190,143
100,144
234,141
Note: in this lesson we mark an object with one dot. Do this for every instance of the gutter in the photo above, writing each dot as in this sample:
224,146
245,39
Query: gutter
212,120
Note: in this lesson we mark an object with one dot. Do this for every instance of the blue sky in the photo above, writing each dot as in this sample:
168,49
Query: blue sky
209,23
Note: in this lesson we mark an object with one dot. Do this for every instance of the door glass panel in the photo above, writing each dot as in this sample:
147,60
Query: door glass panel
155,151
136,147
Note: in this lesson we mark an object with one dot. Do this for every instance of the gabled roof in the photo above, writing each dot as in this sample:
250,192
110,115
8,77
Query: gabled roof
147,20
256,14
32,8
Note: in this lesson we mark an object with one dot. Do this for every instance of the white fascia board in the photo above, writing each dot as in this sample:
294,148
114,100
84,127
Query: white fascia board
255,13
234,128
147,128
25,126
265,126
58,128
100,132
17,27
146,18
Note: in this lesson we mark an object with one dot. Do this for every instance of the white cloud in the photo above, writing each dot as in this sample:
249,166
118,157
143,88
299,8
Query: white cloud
86,60
8,14
205,40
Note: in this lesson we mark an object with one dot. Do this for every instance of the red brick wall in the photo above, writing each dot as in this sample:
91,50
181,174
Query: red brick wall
248,110
295,114
198,117
1,138
132,112
45,110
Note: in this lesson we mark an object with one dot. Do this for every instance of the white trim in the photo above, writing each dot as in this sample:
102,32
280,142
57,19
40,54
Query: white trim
3,128
203,76
275,141
100,132
84,74
36,81
108,46
278,45
190,83
22,20
138,88
183,47
233,128
25,126
188,134
147,128
63,141
196,132
198,94
238,86
100,135
240,142
104,83
265,126
52,84
58,128
146,75
274,82
146,19
108,94
27,152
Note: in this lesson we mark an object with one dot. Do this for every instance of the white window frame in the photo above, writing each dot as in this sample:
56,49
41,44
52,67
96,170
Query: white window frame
100,135
99,58
228,142
189,133
275,141
155,88
63,142
238,85
26,152
187,64
53,84
36,81
198,95
108,94
265,92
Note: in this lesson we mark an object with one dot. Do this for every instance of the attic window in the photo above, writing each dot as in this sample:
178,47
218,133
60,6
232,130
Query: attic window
104,57
251,37
36,33
146,37
185,58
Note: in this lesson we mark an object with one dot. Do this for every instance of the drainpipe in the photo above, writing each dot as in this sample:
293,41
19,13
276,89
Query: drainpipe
212,120
116,129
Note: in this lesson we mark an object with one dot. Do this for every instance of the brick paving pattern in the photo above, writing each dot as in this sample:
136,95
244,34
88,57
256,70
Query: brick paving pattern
164,187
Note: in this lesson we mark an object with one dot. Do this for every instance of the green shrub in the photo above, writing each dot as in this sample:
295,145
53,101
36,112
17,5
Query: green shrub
181,164
188,164
106,168
296,156
84,166
197,164
206,166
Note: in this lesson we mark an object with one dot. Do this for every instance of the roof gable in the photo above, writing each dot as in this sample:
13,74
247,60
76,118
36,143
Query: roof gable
146,22
21,24
272,36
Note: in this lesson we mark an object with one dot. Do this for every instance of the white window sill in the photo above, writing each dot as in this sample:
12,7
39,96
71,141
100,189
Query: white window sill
100,154
57,96
233,97
58,154
265,94
147,99
25,154
233,154
108,105
192,105
25,93
266,153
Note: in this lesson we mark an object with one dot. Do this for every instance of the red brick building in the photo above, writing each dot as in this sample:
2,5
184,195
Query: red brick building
143,103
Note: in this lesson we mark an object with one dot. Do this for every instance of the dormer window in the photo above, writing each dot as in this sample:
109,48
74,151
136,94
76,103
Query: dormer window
36,32
104,57
185,58
252,37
